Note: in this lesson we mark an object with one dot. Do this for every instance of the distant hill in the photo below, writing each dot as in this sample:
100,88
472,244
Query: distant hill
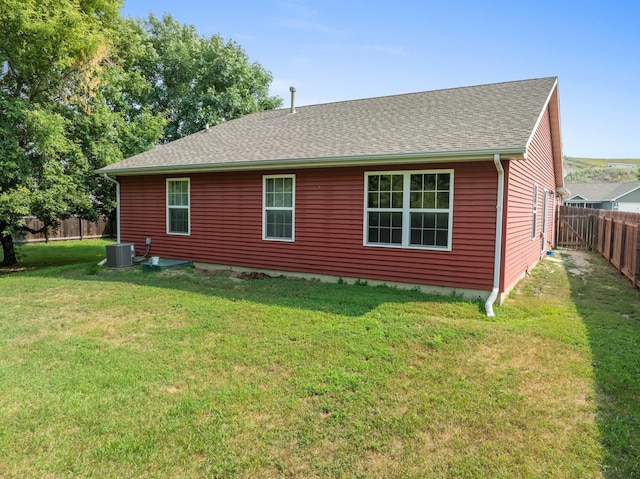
601,170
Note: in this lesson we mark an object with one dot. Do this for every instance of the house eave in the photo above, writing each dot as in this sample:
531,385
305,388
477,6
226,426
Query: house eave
626,193
323,162
552,107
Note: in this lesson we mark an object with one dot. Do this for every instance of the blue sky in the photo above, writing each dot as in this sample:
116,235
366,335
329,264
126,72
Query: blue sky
341,50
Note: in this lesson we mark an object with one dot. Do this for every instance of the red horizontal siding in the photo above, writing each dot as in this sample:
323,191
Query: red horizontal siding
521,251
226,226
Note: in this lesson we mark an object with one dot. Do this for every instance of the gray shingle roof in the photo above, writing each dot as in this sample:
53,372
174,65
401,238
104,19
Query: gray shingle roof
477,118
600,191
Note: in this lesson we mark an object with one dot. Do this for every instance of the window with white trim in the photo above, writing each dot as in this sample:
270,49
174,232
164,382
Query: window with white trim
411,209
178,206
279,207
535,211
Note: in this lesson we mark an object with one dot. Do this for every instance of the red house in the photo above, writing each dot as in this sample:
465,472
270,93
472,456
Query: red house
449,190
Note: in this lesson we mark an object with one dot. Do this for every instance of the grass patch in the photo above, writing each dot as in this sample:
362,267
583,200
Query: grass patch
610,311
119,373
56,253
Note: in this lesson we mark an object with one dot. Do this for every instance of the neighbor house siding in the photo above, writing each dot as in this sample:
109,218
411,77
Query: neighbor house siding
226,225
630,202
521,250
631,197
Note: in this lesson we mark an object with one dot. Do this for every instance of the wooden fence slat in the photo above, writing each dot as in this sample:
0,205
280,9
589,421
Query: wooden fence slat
630,241
636,272
614,234
608,233
617,243
71,228
600,242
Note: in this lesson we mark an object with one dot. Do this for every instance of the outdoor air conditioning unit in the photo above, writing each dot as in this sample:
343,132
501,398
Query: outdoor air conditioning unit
120,255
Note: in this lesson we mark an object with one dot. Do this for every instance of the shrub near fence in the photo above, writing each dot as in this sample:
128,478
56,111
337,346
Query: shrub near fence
71,228
614,234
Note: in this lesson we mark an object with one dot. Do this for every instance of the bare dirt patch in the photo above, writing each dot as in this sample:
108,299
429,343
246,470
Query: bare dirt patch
236,275
579,263
252,275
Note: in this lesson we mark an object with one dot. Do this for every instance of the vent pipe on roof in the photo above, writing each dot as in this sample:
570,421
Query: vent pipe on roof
293,99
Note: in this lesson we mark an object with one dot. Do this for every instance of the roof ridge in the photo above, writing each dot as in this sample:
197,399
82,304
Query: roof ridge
469,120
396,95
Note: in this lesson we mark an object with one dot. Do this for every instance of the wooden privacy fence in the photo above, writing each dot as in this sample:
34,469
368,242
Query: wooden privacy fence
614,234
71,228
575,228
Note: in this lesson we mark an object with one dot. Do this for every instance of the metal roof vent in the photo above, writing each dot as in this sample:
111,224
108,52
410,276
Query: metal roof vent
293,99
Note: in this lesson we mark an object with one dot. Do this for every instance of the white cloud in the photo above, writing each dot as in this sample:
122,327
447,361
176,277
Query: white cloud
300,8
301,24
297,14
386,49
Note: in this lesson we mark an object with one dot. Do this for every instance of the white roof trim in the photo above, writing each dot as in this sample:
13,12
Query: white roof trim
542,113
624,194
425,157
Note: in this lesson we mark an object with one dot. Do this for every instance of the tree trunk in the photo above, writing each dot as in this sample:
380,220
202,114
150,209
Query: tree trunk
9,251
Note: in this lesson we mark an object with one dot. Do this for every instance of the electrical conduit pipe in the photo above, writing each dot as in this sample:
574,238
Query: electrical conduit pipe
107,177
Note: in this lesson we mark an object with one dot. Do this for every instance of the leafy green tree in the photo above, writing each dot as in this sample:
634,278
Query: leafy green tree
119,125
57,123
81,88
198,80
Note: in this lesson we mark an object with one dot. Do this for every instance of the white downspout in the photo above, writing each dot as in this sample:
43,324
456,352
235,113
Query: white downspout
107,177
488,306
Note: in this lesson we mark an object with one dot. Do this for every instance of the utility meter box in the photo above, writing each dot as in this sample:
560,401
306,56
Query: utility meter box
120,255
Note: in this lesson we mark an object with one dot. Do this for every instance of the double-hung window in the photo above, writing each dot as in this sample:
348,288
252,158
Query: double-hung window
279,201
178,206
411,209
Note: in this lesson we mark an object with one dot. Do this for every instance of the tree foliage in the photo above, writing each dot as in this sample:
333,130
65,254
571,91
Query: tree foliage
81,88
198,80
50,52
591,170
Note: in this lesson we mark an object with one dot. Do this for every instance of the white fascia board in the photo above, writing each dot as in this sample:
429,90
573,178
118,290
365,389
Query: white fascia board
542,113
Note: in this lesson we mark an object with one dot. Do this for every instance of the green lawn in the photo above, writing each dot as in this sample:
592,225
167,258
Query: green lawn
120,373
57,253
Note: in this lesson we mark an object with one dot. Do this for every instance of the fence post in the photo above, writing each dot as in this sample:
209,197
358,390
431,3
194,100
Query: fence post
622,245
636,271
612,238
80,226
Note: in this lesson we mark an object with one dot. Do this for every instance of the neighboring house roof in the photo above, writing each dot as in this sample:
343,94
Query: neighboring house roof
486,119
598,192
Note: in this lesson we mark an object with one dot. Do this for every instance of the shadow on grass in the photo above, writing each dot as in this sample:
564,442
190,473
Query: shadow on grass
610,309
37,256
335,298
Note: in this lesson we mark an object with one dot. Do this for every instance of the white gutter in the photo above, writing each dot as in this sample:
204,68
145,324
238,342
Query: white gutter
107,177
321,162
488,306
